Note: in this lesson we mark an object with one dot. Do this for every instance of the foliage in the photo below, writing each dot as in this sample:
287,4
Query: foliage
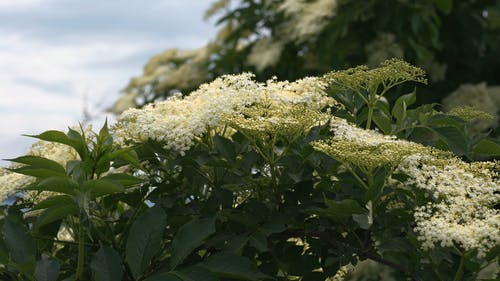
243,180
456,42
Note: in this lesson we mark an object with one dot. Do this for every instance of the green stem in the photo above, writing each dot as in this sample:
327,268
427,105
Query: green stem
369,118
81,252
458,274
363,184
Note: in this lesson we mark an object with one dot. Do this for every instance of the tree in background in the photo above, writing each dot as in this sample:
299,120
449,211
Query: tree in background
456,42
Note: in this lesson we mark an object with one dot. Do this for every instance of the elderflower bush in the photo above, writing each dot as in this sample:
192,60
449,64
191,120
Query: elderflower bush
243,180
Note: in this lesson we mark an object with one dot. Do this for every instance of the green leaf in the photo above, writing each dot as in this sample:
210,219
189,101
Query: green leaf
144,240
192,273
4,254
258,240
225,147
382,121
190,235
56,184
20,244
196,273
165,276
104,140
56,200
106,265
55,213
53,136
454,138
230,265
487,147
37,162
102,187
339,210
236,244
401,104
36,172
46,270
444,6
123,179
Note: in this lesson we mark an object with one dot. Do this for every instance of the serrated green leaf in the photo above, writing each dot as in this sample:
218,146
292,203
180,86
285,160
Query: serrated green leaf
47,270
230,265
190,235
144,239
106,265
56,184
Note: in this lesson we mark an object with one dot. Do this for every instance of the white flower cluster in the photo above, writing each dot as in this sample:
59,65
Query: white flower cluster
461,210
308,17
177,122
366,149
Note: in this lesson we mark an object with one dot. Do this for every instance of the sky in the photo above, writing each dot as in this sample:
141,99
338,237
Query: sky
58,56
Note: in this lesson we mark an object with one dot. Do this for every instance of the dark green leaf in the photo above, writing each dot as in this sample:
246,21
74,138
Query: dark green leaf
225,147
37,162
46,270
236,244
144,240
339,210
102,187
56,184
122,179
55,213
20,244
229,265
487,147
37,172
454,138
190,236
4,254
53,136
259,241
444,6
106,265
166,276
56,200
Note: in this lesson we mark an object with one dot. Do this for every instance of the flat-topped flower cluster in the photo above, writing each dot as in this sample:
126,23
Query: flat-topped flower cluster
177,122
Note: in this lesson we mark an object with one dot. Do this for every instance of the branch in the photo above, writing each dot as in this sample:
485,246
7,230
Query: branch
325,236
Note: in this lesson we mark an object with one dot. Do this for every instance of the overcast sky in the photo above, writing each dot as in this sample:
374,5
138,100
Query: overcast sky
55,52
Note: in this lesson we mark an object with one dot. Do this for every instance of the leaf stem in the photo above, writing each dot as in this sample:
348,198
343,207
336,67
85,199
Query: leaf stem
458,274
81,252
